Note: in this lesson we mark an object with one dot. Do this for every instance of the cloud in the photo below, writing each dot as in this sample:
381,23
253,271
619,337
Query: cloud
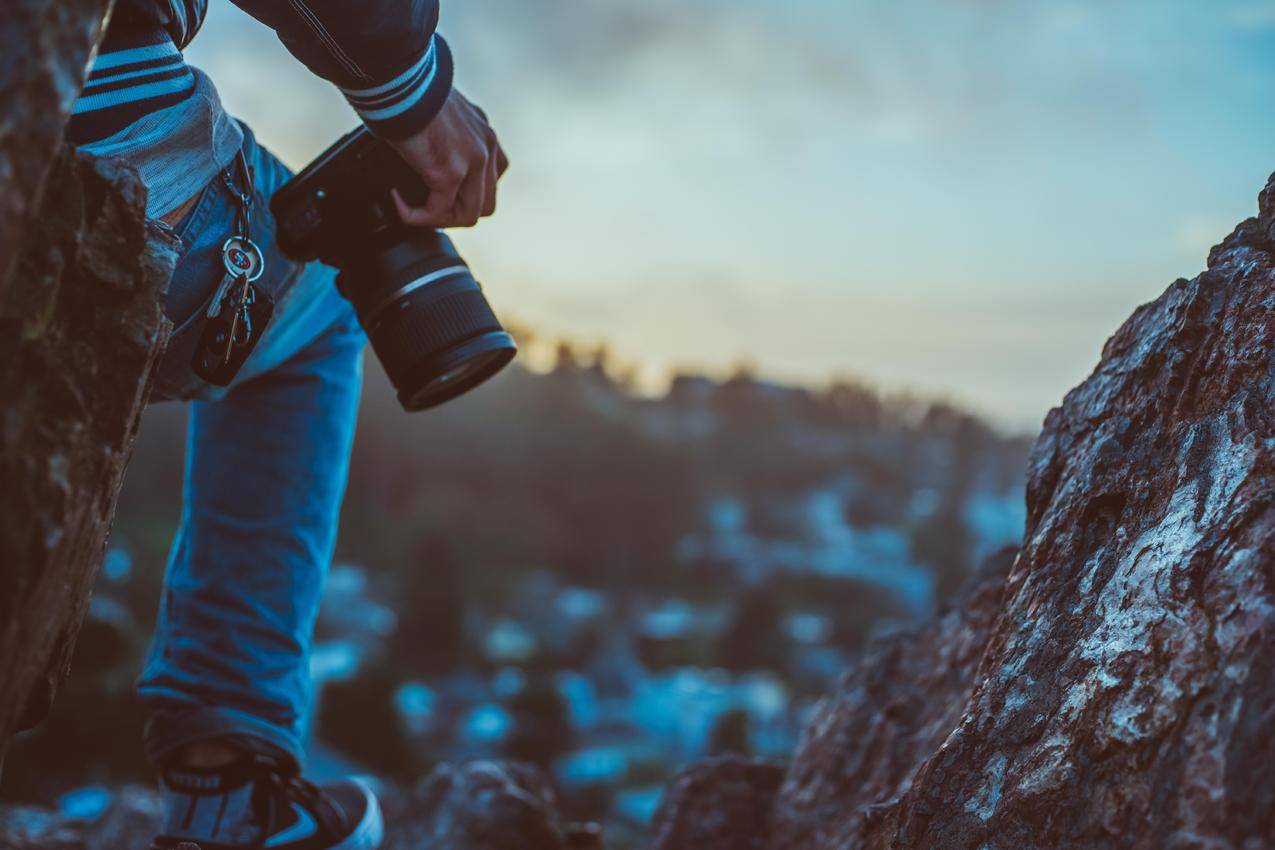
687,170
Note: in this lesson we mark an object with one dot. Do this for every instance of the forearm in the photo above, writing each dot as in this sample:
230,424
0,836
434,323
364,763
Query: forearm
384,55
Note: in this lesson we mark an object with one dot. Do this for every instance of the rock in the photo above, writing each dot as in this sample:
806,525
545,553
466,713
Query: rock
131,821
31,828
719,804
583,836
480,806
866,741
1126,695
81,332
1117,689
44,50
861,748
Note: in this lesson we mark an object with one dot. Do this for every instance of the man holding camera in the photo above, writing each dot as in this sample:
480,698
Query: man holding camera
226,683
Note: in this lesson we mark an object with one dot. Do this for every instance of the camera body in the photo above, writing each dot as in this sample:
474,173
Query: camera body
424,313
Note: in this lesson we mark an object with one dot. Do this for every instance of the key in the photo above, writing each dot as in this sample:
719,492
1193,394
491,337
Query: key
235,314
240,333
242,258
233,331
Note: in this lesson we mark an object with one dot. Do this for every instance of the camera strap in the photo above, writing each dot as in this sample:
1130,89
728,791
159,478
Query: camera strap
238,311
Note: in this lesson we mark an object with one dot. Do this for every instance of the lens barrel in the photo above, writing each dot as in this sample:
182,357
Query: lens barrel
426,317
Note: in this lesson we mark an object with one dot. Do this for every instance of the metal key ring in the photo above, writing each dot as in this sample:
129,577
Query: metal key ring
242,259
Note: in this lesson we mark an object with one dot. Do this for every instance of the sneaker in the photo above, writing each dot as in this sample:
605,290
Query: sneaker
253,804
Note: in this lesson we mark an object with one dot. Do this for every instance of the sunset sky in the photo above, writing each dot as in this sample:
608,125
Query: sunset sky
961,197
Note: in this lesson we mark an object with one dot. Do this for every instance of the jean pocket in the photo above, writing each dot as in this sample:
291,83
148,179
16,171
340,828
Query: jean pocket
175,380
195,281
194,278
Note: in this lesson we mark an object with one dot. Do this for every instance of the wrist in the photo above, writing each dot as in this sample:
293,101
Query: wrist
404,105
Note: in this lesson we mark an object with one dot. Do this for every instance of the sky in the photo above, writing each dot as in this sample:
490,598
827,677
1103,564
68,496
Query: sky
961,198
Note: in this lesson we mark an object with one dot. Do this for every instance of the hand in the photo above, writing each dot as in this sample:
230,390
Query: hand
461,161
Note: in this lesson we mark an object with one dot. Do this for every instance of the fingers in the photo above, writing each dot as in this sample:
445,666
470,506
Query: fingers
411,216
491,179
444,190
460,161
471,200
455,203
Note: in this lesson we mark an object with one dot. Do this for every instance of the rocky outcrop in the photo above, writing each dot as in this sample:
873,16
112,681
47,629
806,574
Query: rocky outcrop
866,741
724,803
44,51
861,749
481,806
81,330
1123,695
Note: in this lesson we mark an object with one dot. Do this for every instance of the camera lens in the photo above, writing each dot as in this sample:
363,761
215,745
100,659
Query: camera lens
426,317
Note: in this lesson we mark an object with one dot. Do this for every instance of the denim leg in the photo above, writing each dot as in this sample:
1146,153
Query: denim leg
266,471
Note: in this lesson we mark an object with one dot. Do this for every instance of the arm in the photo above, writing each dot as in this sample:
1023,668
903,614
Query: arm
384,55
397,74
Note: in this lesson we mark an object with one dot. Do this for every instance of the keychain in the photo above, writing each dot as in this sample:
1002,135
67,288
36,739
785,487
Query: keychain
238,311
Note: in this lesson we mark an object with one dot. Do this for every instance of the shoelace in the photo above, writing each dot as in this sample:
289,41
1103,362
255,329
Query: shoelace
275,786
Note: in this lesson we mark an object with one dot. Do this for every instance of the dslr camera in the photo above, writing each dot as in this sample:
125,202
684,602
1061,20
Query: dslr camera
424,313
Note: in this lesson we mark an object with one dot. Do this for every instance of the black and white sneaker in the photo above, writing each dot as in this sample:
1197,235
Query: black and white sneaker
255,804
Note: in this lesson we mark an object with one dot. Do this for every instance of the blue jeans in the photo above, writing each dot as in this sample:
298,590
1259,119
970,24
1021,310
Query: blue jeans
265,473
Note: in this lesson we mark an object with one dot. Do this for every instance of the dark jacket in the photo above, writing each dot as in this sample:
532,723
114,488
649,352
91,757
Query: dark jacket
384,55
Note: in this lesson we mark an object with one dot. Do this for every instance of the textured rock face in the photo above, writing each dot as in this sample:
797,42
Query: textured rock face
722,804
81,330
867,740
860,750
1117,691
44,50
1125,699
481,806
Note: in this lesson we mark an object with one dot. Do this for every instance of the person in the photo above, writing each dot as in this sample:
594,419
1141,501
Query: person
225,684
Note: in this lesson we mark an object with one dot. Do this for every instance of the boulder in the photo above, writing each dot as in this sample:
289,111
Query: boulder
44,50
81,331
719,804
1116,690
484,805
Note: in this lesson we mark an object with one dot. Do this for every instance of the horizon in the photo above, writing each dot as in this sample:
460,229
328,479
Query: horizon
962,200
540,357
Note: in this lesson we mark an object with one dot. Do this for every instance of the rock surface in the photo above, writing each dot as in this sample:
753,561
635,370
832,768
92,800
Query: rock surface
1124,697
1126,694
723,803
81,331
861,748
44,50
866,741
480,806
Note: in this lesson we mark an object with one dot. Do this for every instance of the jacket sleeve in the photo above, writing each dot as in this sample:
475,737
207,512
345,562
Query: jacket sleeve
384,55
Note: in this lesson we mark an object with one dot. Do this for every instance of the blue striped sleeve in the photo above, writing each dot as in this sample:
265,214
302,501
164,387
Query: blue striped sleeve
406,103
384,55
